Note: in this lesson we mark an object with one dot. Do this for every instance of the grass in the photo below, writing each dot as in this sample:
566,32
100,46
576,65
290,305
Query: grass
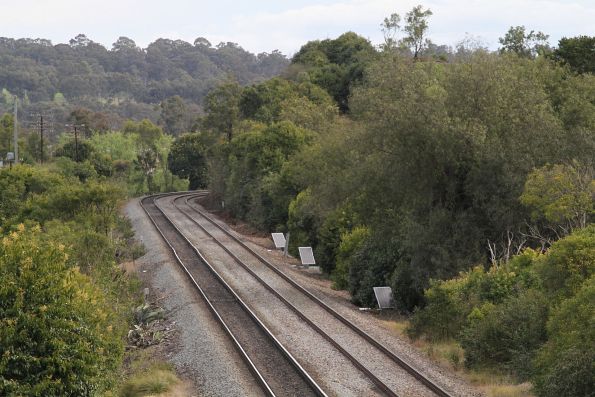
146,375
157,379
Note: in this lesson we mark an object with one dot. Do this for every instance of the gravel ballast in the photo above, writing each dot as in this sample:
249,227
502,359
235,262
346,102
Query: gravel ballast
202,353
302,340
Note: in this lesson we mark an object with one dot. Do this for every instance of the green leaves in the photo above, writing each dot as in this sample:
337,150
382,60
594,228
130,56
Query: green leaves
56,335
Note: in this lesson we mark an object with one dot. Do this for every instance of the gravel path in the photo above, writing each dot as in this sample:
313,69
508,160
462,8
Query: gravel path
202,353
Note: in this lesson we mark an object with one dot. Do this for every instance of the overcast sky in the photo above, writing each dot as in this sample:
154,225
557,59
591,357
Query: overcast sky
266,25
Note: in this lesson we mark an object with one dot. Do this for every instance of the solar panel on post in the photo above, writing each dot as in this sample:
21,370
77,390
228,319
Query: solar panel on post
384,297
307,256
279,240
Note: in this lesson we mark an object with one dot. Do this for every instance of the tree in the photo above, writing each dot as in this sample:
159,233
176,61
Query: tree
188,159
390,28
89,121
527,45
148,133
336,65
173,112
578,52
222,108
417,29
562,194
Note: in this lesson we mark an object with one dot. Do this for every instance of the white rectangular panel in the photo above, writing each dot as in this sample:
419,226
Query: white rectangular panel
384,297
307,256
279,240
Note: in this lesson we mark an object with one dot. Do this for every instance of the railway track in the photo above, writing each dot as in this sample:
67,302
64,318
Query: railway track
239,251
274,368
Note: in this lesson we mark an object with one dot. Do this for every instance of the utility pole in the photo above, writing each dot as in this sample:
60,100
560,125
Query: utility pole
76,145
16,133
41,138
76,139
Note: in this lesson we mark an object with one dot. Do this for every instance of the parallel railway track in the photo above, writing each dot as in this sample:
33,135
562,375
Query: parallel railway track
226,239
274,368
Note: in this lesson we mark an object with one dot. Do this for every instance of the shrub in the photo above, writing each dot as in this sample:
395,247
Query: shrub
566,363
337,223
506,336
444,314
370,267
568,263
448,303
351,242
56,334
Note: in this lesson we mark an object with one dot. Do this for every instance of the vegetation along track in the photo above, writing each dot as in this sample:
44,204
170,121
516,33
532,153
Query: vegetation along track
278,373
230,244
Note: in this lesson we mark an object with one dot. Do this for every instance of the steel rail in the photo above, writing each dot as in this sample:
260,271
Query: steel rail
398,360
259,377
381,385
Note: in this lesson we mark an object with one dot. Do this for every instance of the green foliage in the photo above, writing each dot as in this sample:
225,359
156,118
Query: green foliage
278,99
351,242
578,52
338,222
336,65
152,381
188,159
370,267
567,264
117,145
6,130
444,155
254,155
84,70
506,336
417,29
524,44
56,336
148,133
449,303
302,222
562,194
566,363
222,108
173,110
76,149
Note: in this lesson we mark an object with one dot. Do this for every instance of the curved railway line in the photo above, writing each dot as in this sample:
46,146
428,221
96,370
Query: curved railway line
274,280
275,369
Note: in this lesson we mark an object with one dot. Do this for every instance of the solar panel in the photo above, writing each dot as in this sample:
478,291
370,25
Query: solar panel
384,297
306,256
279,240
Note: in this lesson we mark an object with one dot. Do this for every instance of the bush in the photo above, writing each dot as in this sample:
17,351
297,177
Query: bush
566,363
506,336
351,242
448,303
568,263
444,314
56,333
370,267
337,223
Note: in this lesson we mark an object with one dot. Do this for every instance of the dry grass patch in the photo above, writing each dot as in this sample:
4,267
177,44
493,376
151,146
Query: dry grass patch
157,380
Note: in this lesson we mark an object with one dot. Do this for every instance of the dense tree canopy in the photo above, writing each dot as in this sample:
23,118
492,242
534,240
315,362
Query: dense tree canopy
83,68
337,64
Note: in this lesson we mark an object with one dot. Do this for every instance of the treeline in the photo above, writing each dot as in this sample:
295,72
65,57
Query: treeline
401,165
38,71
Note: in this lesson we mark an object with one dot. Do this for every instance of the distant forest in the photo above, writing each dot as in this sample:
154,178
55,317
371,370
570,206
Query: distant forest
125,77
